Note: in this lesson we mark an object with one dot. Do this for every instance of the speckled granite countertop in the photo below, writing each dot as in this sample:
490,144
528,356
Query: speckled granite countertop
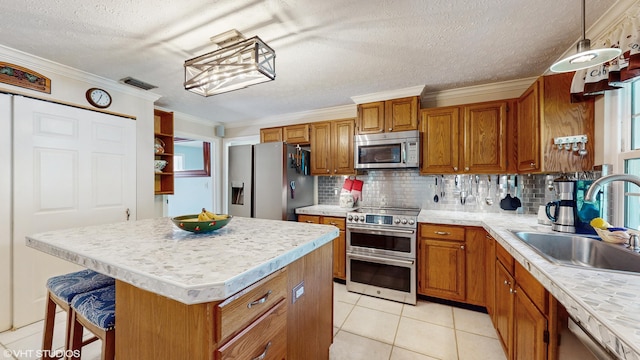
606,303
156,256
324,210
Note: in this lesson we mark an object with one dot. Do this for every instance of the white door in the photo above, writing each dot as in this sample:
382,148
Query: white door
72,167
5,212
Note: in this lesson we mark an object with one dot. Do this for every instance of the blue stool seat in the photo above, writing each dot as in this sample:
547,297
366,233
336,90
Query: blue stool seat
97,306
65,287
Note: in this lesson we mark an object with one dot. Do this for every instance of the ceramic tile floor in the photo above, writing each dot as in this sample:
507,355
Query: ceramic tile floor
26,342
368,328
365,328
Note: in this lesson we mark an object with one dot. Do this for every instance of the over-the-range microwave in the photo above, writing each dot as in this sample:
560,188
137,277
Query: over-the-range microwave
387,150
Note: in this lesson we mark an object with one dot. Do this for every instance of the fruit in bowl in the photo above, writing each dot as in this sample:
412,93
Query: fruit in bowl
203,222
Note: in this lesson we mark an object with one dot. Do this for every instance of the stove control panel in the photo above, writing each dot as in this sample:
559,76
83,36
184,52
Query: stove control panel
382,220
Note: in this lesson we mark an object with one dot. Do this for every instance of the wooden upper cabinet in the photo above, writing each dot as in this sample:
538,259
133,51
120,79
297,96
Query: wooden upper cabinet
296,134
485,137
472,138
528,129
544,112
371,118
388,116
401,114
332,147
342,149
440,130
271,135
320,148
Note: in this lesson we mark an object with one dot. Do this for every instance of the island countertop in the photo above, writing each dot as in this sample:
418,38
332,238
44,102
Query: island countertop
155,255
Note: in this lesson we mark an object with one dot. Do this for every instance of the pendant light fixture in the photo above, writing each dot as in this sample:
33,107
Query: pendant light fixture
586,57
237,64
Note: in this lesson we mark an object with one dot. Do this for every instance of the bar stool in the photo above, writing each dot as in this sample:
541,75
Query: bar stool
60,291
95,311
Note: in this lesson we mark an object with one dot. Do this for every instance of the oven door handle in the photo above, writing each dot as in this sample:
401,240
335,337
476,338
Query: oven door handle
380,260
378,231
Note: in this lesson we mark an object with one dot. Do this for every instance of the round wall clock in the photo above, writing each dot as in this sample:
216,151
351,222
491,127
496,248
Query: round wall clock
99,98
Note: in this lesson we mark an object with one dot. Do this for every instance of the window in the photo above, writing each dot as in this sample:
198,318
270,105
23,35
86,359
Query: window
630,158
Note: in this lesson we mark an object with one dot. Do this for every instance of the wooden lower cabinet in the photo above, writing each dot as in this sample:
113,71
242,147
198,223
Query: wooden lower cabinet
261,321
339,243
522,315
451,263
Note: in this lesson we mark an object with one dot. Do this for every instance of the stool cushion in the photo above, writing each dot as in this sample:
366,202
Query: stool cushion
97,306
67,286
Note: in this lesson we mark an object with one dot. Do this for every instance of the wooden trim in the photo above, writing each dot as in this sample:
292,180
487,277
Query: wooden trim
206,157
18,93
43,84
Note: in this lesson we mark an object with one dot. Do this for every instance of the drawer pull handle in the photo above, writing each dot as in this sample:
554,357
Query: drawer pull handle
334,224
259,301
442,233
264,353
309,222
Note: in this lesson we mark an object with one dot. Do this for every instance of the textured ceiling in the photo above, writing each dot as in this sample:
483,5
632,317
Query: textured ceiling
326,50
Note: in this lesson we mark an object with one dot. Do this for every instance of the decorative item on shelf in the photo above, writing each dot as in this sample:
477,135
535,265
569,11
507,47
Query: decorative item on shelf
586,57
237,64
19,76
159,165
159,146
576,143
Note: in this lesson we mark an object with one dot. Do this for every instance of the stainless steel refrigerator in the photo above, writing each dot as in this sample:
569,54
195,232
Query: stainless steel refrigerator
269,180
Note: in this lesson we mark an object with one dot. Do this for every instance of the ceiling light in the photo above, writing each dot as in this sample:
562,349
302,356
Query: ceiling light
237,64
586,57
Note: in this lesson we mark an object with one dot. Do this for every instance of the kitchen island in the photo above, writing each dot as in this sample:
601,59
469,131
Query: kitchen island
253,287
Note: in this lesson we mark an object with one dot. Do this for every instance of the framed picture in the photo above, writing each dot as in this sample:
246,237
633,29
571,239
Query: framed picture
18,76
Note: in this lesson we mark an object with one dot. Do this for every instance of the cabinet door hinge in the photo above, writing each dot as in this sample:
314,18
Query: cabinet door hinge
545,337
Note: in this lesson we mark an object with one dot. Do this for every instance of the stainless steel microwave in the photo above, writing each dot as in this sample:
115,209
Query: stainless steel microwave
387,150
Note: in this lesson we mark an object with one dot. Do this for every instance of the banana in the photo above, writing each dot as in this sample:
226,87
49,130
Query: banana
211,216
203,216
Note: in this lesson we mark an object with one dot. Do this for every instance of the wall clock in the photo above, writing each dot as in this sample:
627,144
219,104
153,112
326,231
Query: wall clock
99,98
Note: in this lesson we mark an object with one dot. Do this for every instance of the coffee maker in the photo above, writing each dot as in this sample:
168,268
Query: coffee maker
571,214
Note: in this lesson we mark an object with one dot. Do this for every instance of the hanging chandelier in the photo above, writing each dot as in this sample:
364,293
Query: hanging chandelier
237,64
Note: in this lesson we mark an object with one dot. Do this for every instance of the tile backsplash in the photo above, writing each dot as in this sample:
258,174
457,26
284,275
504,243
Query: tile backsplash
407,188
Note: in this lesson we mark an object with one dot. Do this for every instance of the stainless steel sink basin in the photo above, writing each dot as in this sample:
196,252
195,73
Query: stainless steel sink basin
582,251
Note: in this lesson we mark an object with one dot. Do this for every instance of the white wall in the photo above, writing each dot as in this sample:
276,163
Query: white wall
5,213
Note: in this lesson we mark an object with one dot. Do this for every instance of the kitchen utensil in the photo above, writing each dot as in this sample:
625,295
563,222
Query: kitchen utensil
442,186
435,197
470,198
488,200
191,223
506,203
515,202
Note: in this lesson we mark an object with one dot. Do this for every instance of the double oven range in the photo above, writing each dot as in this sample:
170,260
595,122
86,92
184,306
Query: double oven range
381,253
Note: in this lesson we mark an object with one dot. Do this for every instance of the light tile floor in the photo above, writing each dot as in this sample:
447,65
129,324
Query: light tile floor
25,343
365,328
368,328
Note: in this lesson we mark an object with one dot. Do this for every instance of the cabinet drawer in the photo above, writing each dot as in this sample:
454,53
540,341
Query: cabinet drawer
532,287
312,219
238,311
442,232
505,258
335,221
266,338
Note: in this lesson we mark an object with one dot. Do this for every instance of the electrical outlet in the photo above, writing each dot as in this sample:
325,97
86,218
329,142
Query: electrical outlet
297,292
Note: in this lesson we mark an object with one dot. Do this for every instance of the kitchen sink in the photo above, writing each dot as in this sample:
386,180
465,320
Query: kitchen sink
581,250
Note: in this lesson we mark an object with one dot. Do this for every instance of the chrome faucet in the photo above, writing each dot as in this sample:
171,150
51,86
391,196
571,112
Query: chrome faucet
588,197
633,243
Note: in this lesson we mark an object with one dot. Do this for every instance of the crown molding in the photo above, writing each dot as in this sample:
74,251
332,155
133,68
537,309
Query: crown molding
336,112
47,67
486,92
386,95
177,115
